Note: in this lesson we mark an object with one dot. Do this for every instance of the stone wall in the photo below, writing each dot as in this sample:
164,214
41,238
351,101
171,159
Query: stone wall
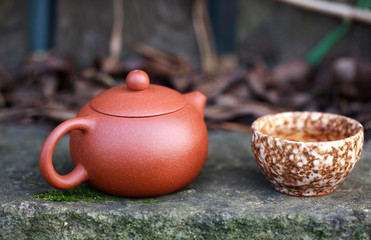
13,33
266,29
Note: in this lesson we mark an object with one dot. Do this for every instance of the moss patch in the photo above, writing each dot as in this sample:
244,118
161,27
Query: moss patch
78,194
149,200
85,194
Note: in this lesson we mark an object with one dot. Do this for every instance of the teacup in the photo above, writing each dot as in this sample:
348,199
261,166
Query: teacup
306,153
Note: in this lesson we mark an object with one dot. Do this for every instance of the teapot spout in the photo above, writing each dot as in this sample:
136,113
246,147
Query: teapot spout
198,100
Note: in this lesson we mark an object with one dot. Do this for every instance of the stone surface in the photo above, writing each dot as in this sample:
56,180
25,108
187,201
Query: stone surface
230,199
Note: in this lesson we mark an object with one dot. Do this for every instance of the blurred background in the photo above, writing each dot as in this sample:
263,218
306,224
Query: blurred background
250,58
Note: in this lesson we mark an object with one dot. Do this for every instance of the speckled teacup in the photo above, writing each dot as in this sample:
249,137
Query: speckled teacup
306,153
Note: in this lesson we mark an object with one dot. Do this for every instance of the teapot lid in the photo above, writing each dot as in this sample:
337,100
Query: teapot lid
138,98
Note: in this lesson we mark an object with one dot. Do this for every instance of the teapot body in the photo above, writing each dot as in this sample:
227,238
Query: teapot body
136,140
144,156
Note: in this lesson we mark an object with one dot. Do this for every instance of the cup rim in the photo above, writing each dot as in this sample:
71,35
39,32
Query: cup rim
254,127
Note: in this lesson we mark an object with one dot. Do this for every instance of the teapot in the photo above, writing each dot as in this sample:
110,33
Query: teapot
135,140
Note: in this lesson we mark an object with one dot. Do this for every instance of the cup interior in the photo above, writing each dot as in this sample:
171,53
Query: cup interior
307,126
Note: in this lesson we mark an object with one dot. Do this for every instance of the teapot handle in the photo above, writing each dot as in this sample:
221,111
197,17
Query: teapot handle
79,173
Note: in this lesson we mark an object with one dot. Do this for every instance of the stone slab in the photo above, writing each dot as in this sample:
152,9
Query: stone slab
230,199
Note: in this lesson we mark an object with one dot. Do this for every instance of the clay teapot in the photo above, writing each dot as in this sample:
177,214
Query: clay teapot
135,140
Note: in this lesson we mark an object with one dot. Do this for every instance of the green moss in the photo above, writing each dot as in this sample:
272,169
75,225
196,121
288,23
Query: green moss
84,194
149,200
78,194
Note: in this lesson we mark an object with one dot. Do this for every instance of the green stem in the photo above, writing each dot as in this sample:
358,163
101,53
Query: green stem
319,51
316,55
366,4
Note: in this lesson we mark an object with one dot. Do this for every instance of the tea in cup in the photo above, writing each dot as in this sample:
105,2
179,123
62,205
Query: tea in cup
306,153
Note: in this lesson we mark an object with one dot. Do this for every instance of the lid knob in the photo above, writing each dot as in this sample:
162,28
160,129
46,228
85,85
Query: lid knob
137,80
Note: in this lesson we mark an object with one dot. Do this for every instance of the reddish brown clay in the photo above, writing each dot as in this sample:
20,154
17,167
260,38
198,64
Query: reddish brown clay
136,140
